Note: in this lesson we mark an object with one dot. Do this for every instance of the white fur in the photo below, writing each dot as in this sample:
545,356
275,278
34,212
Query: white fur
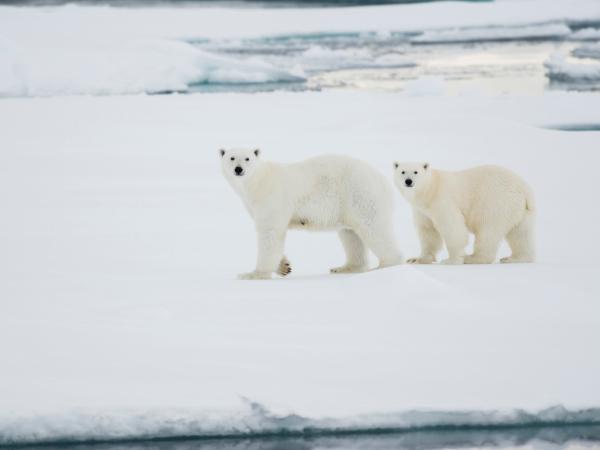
490,201
322,193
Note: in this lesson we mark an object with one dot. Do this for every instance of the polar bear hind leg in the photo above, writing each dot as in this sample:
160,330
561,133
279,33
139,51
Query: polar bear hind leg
521,241
486,247
383,244
356,253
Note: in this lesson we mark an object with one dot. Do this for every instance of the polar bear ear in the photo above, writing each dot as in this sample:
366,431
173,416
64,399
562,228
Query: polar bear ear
221,152
426,166
256,152
396,165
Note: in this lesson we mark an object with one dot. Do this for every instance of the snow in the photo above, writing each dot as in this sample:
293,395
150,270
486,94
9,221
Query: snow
512,33
121,241
586,34
426,86
133,67
252,419
79,49
121,315
560,68
587,51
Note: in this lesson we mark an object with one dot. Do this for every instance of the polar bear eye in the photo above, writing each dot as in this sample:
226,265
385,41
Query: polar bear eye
247,159
232,158
416,172
403,172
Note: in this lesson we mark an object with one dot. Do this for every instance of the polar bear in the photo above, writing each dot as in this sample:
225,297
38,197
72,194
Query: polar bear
322,193
490,201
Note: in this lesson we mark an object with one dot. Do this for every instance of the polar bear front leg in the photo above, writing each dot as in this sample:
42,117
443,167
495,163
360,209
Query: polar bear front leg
270,254
451,226
356,253
431,241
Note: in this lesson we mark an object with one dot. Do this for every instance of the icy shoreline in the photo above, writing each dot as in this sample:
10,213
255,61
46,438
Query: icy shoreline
151,50
252,420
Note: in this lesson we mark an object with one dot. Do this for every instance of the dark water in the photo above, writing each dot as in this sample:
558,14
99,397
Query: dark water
567,437
575,127
235,3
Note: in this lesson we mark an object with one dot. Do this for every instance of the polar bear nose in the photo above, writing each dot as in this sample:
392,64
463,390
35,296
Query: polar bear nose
408,182
238,170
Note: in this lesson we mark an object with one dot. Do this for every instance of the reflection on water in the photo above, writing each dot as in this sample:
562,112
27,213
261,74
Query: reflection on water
496,59
530,438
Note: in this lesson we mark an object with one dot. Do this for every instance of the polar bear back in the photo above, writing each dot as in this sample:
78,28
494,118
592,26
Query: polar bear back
337,191
488,194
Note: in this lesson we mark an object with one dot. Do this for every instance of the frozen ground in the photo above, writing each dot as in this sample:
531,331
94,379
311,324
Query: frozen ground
121,315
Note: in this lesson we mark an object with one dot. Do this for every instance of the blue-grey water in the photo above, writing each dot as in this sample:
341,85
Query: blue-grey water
392,61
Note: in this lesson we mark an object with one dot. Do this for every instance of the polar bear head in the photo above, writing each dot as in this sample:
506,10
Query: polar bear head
411,177
238,163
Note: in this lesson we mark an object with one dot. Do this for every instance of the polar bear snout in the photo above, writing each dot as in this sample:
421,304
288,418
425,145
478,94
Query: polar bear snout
408,182
238,171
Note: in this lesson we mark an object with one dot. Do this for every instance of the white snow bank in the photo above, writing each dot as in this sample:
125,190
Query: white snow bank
586,34
560,69
253,419
587,51
127,68
546,31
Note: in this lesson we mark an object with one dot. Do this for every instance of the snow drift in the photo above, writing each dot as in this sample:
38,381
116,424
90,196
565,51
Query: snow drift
505,33
561,70
587,51
134,67
252,419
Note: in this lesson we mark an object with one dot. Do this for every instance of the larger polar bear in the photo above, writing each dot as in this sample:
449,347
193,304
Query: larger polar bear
491,202
321,193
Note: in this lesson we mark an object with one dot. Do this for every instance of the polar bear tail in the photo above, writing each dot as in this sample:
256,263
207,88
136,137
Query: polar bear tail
530,201
521,238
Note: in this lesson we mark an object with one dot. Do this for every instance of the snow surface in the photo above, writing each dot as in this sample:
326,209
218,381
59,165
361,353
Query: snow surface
587,51
46,51
586,34
136,66
559,68
122,317
510,33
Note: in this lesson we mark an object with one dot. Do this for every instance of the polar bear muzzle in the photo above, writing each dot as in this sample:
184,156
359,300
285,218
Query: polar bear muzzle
238,171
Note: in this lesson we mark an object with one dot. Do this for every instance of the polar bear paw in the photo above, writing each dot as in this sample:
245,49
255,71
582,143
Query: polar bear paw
479,259
349,269
453,261
511,259
284,268
421,260
255,276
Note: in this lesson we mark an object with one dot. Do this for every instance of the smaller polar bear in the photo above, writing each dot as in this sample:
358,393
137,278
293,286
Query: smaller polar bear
321,193
489,201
